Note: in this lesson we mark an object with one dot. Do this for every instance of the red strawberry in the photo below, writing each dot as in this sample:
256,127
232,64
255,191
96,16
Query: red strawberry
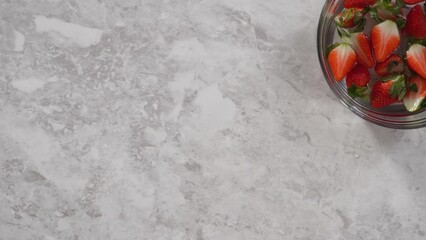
359,76
385,39
349,17
416,59
341,58
362,46
357,81
416,94
387,91
412,2
393,64
416,23
358,3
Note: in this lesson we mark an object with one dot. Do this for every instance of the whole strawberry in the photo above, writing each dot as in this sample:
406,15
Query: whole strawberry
359,76
358,3
393,64
387,91
349,17
357,81
415,25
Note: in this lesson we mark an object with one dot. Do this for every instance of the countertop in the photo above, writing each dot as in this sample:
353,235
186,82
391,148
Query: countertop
190,119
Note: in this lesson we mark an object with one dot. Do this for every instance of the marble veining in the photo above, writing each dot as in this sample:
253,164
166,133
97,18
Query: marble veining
189,119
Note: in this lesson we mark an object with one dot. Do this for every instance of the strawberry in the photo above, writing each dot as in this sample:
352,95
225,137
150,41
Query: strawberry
416,59
385,39
388,10
358,3
357,81
416,23
341,58
349,17
412,2
416,94
359,76
362,46
393,64
387,91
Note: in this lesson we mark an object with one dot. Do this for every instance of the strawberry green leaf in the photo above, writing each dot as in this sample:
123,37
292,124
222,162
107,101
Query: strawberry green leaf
358,19
412,41
366,10
375,15
400,22
387,10
400,3
360,27
398,88
331,47
358,92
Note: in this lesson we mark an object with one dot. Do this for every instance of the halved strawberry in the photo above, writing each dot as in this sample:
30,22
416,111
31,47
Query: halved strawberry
362,46
393,64
416,94
385,39
358,3
387,91
416,59
412,2
349,17
357,81
342,58
416,23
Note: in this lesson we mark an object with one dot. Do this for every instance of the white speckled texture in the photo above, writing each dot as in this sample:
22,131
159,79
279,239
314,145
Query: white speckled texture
189,120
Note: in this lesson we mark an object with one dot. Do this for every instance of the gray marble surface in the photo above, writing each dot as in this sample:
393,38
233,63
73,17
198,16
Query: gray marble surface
189,119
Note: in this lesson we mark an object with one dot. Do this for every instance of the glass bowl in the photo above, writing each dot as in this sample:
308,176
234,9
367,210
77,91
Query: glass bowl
394,116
